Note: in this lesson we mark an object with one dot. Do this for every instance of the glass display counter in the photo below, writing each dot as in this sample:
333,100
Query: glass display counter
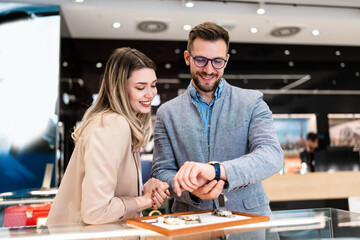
322,223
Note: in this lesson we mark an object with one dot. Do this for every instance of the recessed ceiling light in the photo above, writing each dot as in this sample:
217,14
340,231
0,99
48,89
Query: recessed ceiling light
261,8
78,1
187,27
315,32
342,65
99,65
167,65
287,52
233,51
116,25
337,53
254,30
189,4
291,64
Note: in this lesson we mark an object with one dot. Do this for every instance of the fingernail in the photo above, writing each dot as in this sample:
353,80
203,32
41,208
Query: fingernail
153,191
156,189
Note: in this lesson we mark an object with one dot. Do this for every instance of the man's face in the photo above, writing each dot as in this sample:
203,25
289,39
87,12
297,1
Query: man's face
207,78
313,145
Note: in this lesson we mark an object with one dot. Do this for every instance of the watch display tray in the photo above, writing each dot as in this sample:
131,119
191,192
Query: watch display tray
208,222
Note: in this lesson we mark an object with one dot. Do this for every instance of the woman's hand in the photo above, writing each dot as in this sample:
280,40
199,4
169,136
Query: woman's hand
157,191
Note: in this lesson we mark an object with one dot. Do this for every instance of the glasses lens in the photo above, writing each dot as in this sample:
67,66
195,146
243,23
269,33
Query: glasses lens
200,61
218,62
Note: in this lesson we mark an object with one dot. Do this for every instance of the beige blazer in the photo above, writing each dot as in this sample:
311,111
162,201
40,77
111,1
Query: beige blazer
101,180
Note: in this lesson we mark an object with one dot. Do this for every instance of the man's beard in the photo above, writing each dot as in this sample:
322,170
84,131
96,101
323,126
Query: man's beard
206,88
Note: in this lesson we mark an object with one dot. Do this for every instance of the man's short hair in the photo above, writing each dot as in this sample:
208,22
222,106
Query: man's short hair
312,136
208,31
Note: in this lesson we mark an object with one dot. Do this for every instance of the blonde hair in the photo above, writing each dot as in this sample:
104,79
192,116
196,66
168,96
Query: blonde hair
113,96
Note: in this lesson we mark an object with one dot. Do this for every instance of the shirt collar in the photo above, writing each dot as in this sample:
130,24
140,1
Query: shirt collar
196,95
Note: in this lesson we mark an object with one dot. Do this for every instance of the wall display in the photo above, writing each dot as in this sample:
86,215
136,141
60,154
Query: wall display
292,130
344,130
193,222
29,79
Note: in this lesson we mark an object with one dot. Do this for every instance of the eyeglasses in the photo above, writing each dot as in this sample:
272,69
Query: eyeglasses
217,63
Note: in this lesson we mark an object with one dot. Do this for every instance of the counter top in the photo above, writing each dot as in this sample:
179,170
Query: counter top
324,223
313,186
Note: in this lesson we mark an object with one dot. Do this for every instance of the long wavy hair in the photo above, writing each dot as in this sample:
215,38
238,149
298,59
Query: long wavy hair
113,96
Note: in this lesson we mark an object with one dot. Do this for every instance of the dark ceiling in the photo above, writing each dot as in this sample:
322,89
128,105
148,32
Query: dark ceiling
254,66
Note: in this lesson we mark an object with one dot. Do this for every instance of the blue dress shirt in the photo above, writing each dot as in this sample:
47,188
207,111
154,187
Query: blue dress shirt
204,108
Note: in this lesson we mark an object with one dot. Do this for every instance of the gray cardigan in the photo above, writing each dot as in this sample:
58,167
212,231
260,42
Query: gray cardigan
242,138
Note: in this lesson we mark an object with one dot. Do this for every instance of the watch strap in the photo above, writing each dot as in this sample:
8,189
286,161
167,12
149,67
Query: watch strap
217,170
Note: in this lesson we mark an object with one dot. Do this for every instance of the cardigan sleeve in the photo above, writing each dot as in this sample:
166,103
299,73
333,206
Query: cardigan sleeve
104,151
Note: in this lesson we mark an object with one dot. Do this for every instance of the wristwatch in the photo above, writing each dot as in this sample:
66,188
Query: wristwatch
217,169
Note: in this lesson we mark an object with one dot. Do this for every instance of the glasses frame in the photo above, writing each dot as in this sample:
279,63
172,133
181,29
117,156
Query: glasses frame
207,61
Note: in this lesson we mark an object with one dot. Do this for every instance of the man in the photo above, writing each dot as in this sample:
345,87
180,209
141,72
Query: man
307,156
214,121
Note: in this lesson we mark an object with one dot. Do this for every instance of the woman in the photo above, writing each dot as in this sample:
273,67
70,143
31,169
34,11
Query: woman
102,182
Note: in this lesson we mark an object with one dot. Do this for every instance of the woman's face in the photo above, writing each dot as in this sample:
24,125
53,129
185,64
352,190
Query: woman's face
141,88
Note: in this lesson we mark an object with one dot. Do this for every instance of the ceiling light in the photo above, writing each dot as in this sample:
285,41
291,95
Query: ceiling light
189,4
337,53
187,27
315,32
78,1
253,30
286,31
98,65
152,26
261,8
116,25
287,52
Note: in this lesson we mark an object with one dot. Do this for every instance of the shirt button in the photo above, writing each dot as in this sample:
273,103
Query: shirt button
209,125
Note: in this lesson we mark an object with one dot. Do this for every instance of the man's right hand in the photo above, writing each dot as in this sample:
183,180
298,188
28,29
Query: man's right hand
191,176
210,190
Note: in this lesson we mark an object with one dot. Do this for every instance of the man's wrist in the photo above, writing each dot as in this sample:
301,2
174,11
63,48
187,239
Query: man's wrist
217,170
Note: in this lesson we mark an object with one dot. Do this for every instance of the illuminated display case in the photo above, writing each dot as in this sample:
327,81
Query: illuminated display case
323,223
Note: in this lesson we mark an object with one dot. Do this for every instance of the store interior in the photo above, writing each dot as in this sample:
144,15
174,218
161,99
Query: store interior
52,58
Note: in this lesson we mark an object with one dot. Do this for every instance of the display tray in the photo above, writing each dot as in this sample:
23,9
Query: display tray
208,222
